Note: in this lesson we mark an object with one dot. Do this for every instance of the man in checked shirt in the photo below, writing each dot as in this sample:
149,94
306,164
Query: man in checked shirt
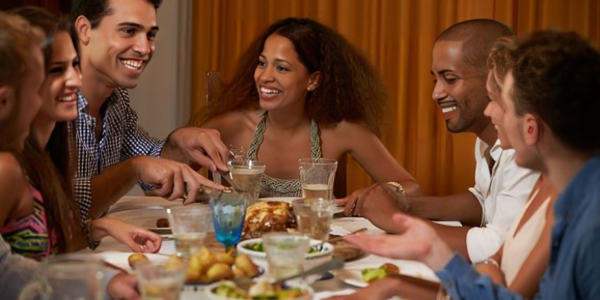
115,41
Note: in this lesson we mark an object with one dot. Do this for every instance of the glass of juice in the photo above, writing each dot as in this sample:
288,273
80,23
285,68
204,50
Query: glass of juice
317,176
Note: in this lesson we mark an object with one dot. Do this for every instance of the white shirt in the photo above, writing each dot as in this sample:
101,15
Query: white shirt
502,196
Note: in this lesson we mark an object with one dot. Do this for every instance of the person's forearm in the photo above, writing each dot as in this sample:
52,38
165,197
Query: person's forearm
454,237
491,271
172,152
411,188
410,287
110,185
463,207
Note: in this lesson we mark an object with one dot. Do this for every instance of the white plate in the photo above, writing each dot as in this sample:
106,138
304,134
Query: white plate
337,209
120,259
352,276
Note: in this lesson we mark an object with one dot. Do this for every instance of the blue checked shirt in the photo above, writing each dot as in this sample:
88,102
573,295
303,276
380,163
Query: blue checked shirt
121,139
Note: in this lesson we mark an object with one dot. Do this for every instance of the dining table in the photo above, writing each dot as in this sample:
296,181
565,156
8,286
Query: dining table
144,211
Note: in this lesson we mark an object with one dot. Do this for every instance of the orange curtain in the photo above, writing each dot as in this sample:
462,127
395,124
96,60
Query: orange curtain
397,36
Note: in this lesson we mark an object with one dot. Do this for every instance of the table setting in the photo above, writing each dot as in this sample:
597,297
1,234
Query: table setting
233,236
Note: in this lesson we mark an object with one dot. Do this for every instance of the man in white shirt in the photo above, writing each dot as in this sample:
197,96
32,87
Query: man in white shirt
486,210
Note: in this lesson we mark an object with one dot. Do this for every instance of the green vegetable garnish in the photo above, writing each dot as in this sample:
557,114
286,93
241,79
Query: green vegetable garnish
368,275
258,247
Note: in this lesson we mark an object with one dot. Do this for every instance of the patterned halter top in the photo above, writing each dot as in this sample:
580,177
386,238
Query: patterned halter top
274,187
29,235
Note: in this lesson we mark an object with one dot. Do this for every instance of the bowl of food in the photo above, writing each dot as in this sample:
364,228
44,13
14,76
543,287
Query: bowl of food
207,267
262,289
316,254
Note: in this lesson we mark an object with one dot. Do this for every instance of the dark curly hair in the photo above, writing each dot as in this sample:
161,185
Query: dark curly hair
556,78
349,88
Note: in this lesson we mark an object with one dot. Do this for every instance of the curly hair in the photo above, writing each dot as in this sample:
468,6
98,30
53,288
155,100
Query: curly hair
349,88
556,79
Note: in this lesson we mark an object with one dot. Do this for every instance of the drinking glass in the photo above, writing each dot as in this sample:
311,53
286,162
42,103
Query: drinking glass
189,225
161,281
67,277
247,174
317,176
286,253
313,216
228,212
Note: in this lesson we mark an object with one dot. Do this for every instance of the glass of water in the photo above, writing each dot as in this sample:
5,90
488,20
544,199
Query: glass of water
286,253
161,281
247,174
314,216
189,225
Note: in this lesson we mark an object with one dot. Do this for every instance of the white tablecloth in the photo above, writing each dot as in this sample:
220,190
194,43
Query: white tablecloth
144,211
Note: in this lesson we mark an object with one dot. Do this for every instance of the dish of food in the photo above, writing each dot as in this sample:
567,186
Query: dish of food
203,268
262,289
268,216
356,276
369,275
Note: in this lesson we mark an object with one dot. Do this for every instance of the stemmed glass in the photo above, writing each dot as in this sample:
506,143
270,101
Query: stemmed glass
229,211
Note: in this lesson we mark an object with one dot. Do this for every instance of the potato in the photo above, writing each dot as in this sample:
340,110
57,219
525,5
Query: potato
194,272
135,258
390,268
237,273
219,271
175,262
244,263
162,223
224,258
207,258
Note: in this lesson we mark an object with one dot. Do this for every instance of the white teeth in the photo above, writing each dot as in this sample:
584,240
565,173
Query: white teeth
68,98
132,64
269,91
448,109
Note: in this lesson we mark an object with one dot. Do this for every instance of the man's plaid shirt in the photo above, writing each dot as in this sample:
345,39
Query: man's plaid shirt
121,139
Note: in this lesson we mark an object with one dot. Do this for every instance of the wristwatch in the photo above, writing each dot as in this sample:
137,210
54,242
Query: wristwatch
399,188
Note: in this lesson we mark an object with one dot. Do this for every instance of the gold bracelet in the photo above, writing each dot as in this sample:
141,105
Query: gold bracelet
399,188
489,261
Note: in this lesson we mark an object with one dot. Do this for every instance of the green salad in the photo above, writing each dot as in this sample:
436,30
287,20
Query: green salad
258,247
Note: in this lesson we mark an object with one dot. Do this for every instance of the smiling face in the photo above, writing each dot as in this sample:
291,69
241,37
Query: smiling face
496,111
62,82
521,133
281,79
459,89
121,46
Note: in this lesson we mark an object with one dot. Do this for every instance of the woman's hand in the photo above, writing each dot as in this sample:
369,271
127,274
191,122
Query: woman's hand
416,241
136,238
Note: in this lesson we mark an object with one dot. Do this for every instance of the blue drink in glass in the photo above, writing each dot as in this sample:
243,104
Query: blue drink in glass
229,211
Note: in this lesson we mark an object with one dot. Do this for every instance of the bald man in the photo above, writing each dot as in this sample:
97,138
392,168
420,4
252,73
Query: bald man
487,209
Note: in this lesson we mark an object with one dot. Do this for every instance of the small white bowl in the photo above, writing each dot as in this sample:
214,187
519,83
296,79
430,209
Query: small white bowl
311,260
212,296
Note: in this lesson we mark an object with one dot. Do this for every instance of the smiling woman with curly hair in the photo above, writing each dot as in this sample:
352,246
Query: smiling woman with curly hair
302,90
